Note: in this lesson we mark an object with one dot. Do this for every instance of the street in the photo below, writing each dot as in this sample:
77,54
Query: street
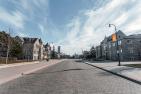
12,71
70,77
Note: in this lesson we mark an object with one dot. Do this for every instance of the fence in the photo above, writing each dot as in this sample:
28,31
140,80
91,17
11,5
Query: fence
12,60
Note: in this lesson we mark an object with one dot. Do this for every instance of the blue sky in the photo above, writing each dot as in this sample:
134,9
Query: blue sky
73,24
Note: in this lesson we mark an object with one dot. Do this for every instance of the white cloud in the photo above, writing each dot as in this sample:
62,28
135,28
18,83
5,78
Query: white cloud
32,5
42,29
83,33
121,19
28,12
14,18
134,26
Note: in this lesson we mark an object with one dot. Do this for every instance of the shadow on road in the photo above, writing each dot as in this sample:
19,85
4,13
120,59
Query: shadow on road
66,70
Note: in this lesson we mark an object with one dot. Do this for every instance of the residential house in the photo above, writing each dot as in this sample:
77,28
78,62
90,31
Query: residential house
112,47
103,45
130,48
32,48
46,51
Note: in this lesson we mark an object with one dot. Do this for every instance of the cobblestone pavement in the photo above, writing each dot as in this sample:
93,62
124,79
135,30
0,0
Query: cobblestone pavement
69,77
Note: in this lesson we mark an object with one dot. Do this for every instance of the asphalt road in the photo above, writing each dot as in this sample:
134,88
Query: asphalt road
69,77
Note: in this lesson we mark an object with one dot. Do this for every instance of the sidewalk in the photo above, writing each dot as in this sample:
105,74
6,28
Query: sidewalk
12,71
130,73
16,64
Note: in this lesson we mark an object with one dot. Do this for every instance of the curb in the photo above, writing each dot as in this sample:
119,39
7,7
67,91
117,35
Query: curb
17,64
119,75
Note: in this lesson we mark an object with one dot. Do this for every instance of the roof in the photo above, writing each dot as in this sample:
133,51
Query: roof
135,36
105,40
47,45
28,40
20,38
120,32
109,38
40,40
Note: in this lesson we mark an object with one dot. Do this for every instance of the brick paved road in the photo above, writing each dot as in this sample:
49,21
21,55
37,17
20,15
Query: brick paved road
13,71
70,77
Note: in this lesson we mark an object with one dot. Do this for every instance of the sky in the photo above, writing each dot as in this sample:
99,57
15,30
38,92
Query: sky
75,25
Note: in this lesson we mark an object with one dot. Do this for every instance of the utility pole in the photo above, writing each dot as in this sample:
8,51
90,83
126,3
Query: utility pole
116,43
8,47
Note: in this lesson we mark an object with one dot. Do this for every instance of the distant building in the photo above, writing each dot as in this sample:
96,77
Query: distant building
47,51
59,49
59,52
98,52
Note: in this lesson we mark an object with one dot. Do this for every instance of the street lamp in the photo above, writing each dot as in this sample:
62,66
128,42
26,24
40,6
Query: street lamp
116,43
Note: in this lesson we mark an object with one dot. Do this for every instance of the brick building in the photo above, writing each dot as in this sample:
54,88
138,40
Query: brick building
129,47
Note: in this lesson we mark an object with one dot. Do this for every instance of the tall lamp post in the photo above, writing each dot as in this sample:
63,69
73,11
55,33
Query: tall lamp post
117,48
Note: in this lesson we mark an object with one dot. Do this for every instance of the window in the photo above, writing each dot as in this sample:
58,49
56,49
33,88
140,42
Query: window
129,41
104,46
131,51
114,44
109,45
132,58
119,42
